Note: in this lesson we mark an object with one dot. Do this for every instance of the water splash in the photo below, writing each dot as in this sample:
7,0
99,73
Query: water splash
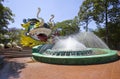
78,42
90,40
68,44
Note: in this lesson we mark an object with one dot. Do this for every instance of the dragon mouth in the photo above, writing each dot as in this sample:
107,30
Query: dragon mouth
41,34
42,37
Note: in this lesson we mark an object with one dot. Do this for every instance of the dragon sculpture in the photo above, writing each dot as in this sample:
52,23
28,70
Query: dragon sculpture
38,29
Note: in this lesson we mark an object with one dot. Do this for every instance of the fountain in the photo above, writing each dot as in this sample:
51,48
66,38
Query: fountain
82,48
71,51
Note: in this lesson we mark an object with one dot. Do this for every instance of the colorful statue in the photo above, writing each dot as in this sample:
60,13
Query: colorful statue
38,29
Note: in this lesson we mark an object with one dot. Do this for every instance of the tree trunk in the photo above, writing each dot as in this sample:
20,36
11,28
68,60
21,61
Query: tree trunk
106,22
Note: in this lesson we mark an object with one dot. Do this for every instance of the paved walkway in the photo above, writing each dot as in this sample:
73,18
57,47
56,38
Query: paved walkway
23,68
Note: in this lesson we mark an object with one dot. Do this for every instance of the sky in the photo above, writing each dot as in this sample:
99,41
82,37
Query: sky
24,9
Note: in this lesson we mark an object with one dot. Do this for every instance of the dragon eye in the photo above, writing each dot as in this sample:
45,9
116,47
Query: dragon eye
24,20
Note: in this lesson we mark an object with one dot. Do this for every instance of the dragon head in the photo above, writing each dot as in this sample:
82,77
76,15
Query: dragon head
38,29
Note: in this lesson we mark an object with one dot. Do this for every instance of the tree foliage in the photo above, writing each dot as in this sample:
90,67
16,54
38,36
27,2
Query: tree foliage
14,34
6,16
105,13
114,30
68,26
84,14
96,10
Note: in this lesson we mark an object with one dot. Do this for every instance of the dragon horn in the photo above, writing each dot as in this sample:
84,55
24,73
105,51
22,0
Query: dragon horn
38,13
52,16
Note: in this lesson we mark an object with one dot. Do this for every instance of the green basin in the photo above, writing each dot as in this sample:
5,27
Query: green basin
108,56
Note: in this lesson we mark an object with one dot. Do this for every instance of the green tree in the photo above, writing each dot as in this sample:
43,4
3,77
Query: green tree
114,30
6,16
68,26
84,15
101,11
14,34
